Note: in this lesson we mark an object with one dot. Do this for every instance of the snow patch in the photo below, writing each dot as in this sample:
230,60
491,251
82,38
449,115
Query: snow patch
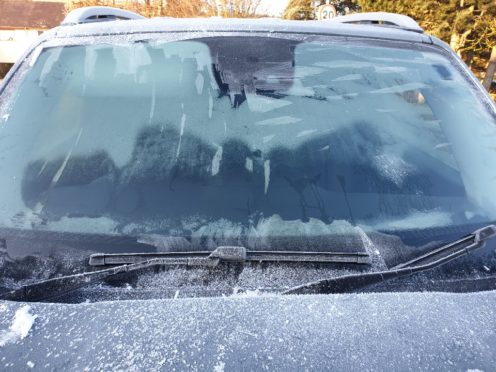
393,168
266,175
305,71
35,55
349,77
282,120
199,83
276,226
400,88
442,145
20,327
210,106
84,225
347,64
249,165
382,110
306,132
298,89
181,133
263,104
266,139
417,220
216,161
153,102
250,293
53,57
390,69
469,215
219,367
374,253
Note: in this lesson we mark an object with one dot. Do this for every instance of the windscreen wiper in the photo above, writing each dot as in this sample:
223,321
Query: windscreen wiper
126,263
430,260
232,254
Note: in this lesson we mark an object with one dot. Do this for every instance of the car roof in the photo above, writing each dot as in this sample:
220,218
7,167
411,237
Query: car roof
216,24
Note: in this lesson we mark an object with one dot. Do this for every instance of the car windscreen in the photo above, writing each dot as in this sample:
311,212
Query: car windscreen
277,142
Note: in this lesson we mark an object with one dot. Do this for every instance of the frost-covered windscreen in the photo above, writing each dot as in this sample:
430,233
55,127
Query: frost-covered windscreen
264,142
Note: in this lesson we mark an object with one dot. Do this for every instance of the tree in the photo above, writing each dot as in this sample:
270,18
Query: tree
469,26
180,8
237,8
305,9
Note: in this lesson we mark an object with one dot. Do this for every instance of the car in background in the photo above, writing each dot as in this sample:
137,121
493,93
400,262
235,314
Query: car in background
221,194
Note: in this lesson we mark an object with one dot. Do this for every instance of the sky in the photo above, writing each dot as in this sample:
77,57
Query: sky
273,7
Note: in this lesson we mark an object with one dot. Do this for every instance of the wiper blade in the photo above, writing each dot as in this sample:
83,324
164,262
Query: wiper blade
51,288
428,261
233,254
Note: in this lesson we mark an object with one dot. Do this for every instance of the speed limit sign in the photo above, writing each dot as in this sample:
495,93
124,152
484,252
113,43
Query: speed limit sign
326,11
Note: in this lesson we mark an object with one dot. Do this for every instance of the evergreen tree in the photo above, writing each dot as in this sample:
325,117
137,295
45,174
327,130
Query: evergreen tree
469,26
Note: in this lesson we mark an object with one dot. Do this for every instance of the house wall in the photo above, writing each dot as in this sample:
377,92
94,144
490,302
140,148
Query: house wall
14,42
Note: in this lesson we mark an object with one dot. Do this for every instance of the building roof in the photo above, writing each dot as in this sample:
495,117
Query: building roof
25,14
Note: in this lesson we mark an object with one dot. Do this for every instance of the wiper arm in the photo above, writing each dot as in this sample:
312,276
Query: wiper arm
433,259
56,287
